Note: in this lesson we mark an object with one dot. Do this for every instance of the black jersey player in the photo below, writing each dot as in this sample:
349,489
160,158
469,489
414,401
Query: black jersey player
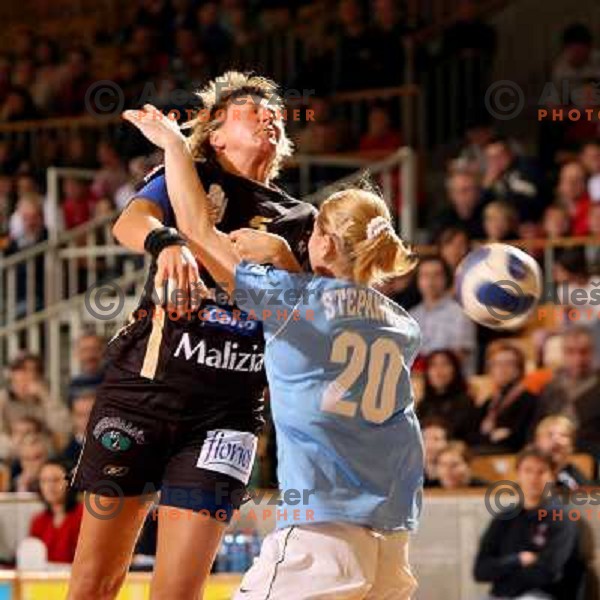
180,405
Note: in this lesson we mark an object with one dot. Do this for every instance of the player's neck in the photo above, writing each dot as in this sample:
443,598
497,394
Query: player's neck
245,166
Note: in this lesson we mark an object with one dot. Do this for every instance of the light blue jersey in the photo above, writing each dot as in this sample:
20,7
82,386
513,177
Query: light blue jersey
337,357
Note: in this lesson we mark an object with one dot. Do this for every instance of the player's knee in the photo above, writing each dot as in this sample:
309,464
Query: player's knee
91,582
176,588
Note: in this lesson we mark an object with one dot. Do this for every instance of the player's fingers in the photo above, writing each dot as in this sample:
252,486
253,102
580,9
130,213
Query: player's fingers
197,288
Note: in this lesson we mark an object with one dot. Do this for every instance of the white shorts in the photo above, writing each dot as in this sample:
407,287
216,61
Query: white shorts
330,561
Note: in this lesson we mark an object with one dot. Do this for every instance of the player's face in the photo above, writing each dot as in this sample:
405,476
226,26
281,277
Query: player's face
319,248
251,125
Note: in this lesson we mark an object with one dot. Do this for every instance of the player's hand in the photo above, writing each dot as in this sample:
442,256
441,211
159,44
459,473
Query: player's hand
177,273
161,130
260,246
527,558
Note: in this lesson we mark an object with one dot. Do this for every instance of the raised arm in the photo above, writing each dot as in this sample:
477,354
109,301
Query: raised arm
188,197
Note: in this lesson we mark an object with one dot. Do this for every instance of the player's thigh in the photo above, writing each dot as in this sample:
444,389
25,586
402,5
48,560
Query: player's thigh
394,578
109,530
311,562
187,545
125,450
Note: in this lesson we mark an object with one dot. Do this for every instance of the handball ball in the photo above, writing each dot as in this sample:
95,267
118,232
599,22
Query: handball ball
499,286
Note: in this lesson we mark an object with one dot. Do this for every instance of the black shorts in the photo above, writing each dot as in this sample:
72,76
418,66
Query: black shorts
201,460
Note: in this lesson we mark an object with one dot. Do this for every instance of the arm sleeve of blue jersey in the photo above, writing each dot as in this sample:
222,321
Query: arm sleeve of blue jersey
155,191
268,292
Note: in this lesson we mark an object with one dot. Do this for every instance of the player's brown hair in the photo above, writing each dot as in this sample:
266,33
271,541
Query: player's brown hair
216,96
346,216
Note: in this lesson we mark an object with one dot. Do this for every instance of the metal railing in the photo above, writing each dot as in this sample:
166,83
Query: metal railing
395,175
79,259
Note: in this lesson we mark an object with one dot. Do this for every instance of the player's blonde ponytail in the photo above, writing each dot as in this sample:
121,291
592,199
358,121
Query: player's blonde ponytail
361,220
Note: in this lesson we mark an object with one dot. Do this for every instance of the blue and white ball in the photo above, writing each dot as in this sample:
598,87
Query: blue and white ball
499,286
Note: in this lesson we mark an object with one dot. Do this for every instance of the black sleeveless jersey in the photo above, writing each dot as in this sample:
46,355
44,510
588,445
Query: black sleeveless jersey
219,354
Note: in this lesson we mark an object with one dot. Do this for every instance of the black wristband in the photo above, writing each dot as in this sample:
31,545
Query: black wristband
159,239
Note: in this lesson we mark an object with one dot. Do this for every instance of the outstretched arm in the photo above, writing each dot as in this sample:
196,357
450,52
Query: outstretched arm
188,197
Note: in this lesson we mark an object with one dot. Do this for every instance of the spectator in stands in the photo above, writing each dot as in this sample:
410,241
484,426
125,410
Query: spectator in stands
74,82
446,396
9,158
45,87
500,222
555,435
528,555
589,156
189,60
59,523
504,421
578,60
112,174
90,356
355,63
28,219
468,47
435,439
137,167
463,207
388,32
33,453
478,134
80,414
512,179
18,106
27,395
26,225
593,250
6,209
442,321
322,134
215,38
575,389
77,203
571,192
75,152
576,291
453,467
20,428
556,223
453,246
380,134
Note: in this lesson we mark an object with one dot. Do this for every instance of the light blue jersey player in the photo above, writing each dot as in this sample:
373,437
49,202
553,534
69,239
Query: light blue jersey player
338,355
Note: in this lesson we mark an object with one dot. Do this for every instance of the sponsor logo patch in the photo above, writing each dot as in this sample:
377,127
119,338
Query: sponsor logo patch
117,435
115,470
229,452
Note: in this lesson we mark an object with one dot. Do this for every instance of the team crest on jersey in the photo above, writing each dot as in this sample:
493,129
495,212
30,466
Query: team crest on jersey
117,435
218,202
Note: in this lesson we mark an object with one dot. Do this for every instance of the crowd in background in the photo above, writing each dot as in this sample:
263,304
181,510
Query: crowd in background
478,392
